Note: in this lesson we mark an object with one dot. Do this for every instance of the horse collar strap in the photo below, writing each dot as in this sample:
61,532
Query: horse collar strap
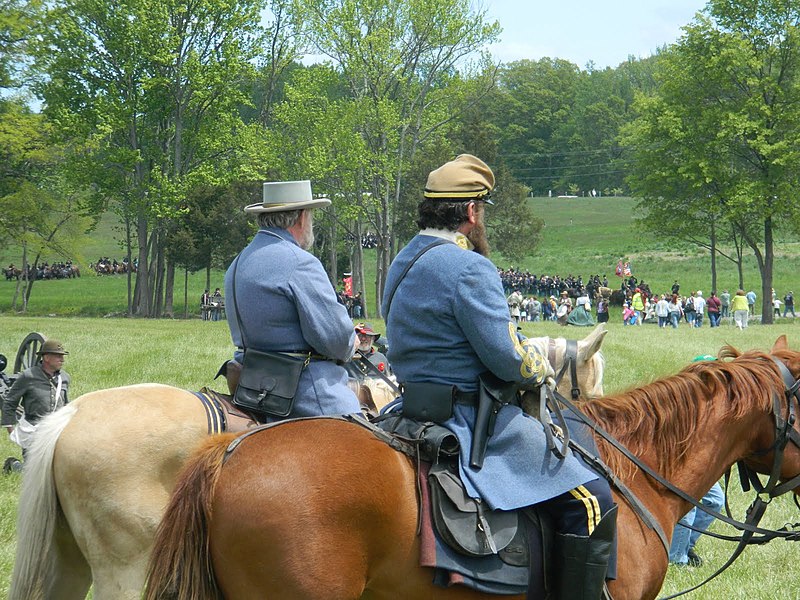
784,433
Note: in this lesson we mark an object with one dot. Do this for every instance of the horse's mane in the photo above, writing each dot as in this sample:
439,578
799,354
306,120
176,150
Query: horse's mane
664,414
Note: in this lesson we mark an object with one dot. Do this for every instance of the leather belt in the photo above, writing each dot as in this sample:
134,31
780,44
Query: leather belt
298,354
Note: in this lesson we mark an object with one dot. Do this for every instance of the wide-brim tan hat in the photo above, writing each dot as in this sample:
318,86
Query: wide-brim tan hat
286,195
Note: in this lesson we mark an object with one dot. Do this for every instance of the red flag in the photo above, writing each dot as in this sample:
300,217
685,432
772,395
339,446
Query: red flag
348,286
627,270
619,269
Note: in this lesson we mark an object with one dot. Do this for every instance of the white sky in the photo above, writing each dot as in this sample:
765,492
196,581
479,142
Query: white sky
603,31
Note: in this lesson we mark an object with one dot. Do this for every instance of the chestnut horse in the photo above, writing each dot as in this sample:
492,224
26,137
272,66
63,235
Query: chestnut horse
101,472
322,509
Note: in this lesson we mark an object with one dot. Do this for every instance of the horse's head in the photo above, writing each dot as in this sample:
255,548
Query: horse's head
589,363
783,429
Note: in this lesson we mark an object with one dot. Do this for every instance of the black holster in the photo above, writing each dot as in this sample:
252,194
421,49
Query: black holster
493,393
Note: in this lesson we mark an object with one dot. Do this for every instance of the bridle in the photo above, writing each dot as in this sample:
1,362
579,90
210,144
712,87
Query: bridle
784,433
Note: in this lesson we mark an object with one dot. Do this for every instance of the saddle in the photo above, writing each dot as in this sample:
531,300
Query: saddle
465,524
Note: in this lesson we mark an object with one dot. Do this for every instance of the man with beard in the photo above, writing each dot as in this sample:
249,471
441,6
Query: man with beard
452,335
281,301
366,338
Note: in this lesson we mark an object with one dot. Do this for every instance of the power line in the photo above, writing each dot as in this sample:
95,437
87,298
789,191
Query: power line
563,167
575,175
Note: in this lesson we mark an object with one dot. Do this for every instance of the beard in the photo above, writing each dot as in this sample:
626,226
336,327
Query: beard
365,347
477,236
306,240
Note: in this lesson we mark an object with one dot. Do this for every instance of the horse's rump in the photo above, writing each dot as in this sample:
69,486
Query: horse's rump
324,476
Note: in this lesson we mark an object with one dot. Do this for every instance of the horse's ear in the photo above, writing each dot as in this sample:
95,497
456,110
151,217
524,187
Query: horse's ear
588,346
781,343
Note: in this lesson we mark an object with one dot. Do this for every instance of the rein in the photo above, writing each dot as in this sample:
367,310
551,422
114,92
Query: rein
784,432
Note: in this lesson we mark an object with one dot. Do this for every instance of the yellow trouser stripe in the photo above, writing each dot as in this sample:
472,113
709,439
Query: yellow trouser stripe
592,506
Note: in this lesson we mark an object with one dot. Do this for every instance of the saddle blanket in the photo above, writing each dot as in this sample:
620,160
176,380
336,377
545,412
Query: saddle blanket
487,574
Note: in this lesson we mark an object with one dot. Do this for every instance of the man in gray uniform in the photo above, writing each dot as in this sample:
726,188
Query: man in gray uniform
285,303
451,330
40,390
366,338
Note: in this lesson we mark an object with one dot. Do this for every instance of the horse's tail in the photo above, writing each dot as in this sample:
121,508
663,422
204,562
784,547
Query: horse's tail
180,566
38,510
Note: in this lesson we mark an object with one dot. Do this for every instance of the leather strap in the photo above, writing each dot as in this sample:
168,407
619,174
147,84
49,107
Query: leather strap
438,242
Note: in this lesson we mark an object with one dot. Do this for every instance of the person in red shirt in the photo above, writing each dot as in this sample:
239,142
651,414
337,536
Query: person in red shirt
713,307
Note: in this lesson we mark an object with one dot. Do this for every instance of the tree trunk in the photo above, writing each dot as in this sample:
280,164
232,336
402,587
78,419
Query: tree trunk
186,294
169,290
713,255
764,260
142,293
22,279
158,285
333,259
129,256
29,287
766,274
357,266
383,258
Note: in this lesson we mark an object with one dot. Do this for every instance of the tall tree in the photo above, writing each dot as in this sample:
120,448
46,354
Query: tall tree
394,57
728,121
155,86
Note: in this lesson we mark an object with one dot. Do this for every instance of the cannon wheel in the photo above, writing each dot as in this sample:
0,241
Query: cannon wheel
27,354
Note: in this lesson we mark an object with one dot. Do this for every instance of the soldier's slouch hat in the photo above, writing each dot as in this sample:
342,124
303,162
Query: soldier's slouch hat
464,178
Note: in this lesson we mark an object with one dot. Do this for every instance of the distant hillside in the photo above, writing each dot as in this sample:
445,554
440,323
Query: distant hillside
586,236
106,240
582,236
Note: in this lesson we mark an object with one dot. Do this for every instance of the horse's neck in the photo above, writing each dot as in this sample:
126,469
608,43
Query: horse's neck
712,448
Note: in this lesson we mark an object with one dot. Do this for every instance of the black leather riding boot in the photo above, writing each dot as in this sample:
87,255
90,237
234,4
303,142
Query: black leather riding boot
581,561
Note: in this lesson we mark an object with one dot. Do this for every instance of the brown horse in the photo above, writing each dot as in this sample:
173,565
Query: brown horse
323,510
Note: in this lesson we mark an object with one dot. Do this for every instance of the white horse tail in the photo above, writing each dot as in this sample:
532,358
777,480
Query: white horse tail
38,510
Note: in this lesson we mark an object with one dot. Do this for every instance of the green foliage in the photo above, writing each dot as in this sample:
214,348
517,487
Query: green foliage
719,137
557,126
154,88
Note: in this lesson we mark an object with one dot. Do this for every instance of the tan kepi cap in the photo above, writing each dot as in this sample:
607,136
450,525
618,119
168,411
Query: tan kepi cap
466,177
286,195
52,347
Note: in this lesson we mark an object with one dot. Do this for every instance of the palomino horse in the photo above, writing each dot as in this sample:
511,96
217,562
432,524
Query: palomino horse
322,509
102,470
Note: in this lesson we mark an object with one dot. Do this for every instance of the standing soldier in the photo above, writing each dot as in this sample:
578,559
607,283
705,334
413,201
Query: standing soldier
40,390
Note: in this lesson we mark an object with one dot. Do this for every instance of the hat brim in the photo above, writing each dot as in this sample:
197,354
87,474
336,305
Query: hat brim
61,352
370,333
260,207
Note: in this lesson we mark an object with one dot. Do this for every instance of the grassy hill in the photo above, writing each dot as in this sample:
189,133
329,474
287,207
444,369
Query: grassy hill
582,236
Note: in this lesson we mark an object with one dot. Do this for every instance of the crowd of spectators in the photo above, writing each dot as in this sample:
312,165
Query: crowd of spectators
369,240
353,303
531,284
533,297
673,309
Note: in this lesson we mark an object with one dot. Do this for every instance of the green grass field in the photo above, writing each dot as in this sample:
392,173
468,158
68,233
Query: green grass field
110,352
582,236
